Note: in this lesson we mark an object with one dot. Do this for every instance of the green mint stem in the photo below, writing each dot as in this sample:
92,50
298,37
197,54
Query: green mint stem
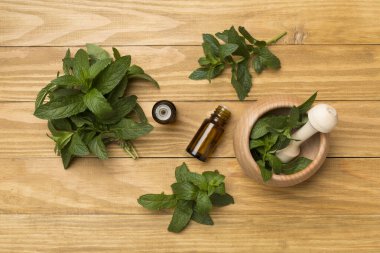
275,39
130,149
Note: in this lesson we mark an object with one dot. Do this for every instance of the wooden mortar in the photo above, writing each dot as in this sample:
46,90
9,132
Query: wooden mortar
315,148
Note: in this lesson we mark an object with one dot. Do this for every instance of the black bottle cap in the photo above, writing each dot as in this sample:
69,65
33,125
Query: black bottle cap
164,112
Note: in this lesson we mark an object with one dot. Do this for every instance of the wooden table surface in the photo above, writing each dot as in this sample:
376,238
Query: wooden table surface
332,46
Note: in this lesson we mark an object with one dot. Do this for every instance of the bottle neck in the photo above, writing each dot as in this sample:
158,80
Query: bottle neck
220,115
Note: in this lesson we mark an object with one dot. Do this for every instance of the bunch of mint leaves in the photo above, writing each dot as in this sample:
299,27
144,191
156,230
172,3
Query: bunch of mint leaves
87,108
193,197
272,133
237,51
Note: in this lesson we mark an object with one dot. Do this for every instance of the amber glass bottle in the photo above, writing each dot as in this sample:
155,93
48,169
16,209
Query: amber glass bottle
208,135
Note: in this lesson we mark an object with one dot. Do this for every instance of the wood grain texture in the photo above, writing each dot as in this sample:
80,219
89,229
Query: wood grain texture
23,135
55,22
92,206
337,72
343,186
243,233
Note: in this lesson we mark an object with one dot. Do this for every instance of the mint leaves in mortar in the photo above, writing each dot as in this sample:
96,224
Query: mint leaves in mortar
272,133
194,195
240,51
87,108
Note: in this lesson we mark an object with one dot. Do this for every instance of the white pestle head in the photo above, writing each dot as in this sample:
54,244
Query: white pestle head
323,117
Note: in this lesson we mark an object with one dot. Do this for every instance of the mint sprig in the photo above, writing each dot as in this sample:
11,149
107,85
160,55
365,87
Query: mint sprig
87,108
272,133
193,197
240,51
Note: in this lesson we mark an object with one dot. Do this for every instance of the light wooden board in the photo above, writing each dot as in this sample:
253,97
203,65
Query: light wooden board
350,72
147,233
92,206
23,135
56,22
30,186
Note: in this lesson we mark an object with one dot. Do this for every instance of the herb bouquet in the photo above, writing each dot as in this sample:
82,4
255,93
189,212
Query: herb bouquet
87,108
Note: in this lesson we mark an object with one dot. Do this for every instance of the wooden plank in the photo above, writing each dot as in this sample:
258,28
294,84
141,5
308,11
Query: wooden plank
23,135
90,186
25,23
338,72
147,233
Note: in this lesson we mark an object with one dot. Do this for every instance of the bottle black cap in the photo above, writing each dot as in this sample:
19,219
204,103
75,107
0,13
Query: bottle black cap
164,112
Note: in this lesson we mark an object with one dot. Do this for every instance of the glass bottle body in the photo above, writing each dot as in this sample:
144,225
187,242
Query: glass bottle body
208,135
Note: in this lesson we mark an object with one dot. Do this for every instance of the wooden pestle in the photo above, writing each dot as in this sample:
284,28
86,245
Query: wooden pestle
322,118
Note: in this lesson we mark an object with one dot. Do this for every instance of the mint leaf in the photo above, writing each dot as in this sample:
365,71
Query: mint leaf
256,143
145,77
107,80
127,129
61,108
207,73
223,35
295,165
135,70
203,61
185,190
98,148
42,95
203,203
265,59
81,66
235,38
98,66
77,146
294,116
97,52
221,200
303,108
182,173
119,90
213,42
238,86
209,53
67,63
265,173
66,157
116,53
140,113
275,163
157,201
61,138
121,108
243,76
181,216
67,81
246,35
198,180
220,189
213,178
97,104
204,219
227,49
55,125
199,74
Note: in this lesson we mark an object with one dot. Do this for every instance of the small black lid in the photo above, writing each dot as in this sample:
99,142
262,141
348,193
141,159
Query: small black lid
164,112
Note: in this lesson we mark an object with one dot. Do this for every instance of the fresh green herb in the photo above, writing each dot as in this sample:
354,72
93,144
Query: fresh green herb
87,108
239,51
272,133
193,197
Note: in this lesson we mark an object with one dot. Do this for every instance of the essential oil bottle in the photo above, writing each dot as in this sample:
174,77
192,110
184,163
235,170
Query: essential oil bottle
208,135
